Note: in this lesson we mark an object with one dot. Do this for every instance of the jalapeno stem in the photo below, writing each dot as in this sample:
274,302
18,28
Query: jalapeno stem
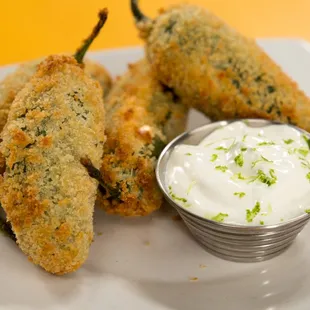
81,51
7,229
95,173
139,16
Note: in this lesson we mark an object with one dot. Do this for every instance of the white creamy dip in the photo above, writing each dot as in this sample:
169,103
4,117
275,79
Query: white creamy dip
243,175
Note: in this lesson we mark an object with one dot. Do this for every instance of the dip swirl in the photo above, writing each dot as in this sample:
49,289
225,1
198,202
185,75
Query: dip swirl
243,175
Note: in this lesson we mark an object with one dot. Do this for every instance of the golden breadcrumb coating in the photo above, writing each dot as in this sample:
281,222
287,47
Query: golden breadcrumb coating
100,74
48,196
142,116
15,81
218,71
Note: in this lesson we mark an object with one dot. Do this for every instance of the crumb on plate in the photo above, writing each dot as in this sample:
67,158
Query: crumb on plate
177,218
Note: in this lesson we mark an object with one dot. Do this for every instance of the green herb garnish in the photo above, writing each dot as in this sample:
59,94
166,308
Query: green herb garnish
262,177
178,198
304,163
250,214
190,187
288,141
214,157
175,197
243,149
208,144
271,89
265,143
307,140
239,160
240,194
219,218
262,159
221,168
226,149
269,210
238,176
221,148
272,174
303,151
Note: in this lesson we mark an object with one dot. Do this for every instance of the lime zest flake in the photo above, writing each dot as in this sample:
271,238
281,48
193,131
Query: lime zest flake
244,137
307,140
219,217
269,211
304,163
308,176
303,151
265,143
221,148
226,149
221,168
214,157
261,176
262,159
243,149
239,160
190,187
208,144
238,176
262,222
251,214
307,211
176,198
213,142
288,141
240,194
264,178
188,154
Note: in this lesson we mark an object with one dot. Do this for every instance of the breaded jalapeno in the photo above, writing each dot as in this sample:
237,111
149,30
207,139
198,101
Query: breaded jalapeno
15,81
216,70
141,117
55,121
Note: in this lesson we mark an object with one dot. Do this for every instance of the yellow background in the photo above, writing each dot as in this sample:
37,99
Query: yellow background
33,28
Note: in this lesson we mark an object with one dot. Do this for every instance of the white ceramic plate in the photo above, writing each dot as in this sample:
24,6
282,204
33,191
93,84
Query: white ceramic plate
148,263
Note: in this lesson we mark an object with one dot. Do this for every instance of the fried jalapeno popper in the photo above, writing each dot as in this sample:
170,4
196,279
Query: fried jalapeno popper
15,81
55,121
218,71
142,116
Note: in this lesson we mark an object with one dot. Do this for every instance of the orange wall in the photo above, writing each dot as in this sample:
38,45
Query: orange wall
33,28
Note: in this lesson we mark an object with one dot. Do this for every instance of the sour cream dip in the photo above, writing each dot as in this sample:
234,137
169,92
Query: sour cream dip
243,175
